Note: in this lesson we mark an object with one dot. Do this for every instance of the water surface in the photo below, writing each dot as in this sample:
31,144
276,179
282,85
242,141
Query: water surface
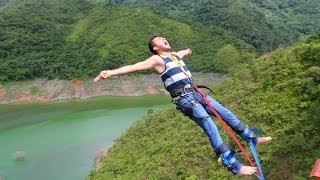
61,138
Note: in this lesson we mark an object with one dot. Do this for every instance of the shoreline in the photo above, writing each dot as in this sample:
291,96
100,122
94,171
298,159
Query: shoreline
41,90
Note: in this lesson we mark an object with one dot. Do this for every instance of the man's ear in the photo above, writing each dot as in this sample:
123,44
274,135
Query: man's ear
155,48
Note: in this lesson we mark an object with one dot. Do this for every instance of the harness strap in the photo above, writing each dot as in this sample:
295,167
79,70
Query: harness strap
259,175
205,87
248,136
227,158
175,59
246,133
229,161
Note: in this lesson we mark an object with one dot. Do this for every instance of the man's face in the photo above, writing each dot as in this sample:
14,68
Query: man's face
161,43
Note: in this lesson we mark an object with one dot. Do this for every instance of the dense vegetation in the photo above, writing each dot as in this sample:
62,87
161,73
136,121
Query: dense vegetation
264,24
77,38
278,94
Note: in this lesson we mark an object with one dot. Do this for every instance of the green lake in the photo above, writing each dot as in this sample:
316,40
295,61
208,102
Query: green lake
60,139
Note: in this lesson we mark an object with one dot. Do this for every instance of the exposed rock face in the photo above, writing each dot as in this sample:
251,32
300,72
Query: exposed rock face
98,158
51,90
19,156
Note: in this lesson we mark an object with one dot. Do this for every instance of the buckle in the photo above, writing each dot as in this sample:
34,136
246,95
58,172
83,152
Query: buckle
181,91
175,100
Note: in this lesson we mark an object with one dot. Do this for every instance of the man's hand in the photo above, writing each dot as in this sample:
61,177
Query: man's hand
102,75
184,53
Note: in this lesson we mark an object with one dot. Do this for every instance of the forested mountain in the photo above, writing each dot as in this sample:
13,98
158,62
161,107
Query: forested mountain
264,24
77,38
278,94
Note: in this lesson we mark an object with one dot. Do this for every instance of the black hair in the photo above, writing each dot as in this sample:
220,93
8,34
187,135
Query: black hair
151,44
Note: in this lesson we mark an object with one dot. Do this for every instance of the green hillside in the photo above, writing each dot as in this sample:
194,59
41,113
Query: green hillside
293,16
278,94
72,39
76,39
264,24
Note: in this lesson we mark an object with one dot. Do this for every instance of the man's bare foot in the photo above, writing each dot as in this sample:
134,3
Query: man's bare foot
247,170
263,140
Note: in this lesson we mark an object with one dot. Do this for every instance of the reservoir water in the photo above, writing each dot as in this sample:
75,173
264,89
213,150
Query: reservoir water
58,140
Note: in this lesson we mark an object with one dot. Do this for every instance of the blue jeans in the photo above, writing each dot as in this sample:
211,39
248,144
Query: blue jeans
193,106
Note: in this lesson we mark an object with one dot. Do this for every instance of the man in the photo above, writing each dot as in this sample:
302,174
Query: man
178,82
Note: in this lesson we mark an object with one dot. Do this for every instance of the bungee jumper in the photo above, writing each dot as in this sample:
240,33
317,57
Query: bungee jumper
189,99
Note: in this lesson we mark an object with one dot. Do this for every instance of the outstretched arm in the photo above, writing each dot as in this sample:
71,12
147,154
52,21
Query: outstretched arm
140,66
184,53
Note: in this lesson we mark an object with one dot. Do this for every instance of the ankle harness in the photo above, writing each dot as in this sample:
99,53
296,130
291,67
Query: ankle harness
246,133
227,159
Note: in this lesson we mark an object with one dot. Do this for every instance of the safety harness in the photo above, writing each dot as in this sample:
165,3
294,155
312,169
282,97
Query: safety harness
227,155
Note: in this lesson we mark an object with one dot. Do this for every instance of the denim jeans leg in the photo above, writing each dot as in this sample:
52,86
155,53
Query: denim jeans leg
200,116
231,119
210,129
